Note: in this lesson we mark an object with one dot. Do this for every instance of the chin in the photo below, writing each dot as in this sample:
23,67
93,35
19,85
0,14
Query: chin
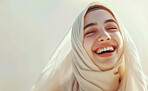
107,64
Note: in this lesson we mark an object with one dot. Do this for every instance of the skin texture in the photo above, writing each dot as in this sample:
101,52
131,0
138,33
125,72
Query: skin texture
103,30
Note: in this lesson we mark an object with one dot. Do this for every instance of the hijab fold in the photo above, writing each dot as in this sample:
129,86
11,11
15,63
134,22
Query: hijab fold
71,69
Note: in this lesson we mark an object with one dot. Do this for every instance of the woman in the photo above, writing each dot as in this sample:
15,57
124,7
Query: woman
96,55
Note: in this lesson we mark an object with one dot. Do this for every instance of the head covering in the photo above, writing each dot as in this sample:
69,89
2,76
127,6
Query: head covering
71,69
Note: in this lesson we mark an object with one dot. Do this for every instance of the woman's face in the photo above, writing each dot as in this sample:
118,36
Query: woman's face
102,39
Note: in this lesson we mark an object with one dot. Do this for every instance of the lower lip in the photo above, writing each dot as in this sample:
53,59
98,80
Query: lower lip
106,54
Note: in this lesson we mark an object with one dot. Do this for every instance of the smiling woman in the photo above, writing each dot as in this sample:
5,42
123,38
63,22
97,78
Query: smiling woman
103,41
96,55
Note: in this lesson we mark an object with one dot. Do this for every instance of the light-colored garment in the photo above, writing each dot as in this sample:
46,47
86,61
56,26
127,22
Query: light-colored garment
71,69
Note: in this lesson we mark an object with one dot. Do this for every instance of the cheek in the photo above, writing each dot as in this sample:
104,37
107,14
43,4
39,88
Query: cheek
88,43
118,38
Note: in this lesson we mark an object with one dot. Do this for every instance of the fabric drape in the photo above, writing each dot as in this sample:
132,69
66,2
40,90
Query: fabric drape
71,69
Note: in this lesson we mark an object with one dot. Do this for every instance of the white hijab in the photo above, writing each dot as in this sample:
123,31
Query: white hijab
71,69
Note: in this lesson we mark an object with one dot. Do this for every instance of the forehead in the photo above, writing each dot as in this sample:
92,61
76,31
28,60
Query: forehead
97,15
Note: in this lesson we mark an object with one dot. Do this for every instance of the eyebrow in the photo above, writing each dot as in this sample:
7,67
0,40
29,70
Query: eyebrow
92,24
110,20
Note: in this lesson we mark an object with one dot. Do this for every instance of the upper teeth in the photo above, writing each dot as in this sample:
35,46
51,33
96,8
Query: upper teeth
105,49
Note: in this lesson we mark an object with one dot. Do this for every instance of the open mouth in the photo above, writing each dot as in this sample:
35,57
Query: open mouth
105,51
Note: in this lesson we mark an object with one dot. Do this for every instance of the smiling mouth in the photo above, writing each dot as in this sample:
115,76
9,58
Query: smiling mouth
106,51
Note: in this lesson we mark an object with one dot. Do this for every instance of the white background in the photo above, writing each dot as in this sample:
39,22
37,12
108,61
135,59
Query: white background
30,30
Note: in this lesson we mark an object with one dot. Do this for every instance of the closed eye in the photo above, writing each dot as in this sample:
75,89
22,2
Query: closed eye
90,32
111,28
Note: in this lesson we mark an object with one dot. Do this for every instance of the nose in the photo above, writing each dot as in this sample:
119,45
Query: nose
104,37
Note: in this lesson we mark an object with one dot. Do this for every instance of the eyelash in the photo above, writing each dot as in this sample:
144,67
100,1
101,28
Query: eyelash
90,32
95,31
111,28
